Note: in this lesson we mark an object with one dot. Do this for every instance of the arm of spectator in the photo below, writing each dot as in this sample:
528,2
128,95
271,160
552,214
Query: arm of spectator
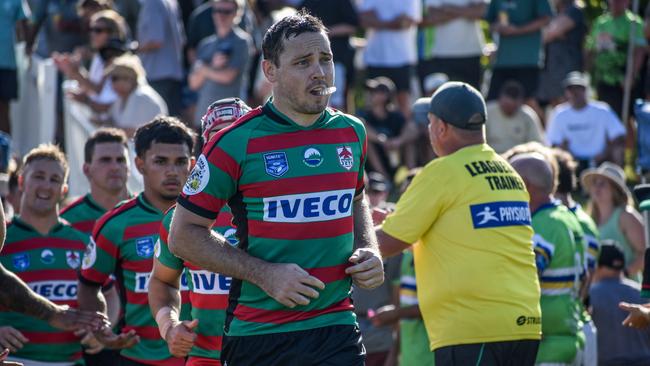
374,160
22,30
369,19
149,47
632,227
197,76
390,314
509,30
342,30
222,76
557,28
191,238
475,11
639,58
437,15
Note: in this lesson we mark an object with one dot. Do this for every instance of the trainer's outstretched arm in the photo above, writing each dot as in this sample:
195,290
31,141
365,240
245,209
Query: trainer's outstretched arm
191,238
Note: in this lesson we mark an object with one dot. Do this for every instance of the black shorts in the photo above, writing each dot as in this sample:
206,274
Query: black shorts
8,84
328,346
465,69
508,353
400,75
105,357
528,77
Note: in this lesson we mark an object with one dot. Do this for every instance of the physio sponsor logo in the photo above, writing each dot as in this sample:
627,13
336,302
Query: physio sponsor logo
210,283
499,214
309,207
55,290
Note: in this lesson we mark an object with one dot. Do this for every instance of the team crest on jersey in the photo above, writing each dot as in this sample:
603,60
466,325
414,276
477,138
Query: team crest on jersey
73,259
276,163
231,236
47,256
21,261
199,177
144,246
90,255
346,159
312,157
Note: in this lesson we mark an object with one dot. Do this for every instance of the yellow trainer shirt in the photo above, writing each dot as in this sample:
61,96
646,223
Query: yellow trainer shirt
474,261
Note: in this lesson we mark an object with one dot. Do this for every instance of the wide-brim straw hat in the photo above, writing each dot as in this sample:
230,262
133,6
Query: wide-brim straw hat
612,172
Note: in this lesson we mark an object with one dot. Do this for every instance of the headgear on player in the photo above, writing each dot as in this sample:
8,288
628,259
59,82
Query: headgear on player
221,114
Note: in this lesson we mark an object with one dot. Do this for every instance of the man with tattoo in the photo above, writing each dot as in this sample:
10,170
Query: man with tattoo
45,252
292,174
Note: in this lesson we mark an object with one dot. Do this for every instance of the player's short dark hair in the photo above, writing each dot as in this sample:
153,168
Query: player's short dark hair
512,89
567,179
47,152
103,135
289,26
162,129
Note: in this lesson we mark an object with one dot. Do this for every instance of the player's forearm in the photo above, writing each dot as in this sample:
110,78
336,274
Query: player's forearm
113,306
91,298
364,230
163,295
18,297
202,247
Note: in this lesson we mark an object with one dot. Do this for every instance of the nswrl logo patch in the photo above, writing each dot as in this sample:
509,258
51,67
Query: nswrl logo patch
276,163
144,246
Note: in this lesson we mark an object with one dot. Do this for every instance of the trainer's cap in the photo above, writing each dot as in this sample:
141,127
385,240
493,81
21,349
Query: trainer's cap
611,255
575,78
456,103
222,113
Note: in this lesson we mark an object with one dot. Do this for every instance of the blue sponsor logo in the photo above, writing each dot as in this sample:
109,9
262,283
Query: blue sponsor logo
276,164
21,261
208,283
498,214
56,290
144,246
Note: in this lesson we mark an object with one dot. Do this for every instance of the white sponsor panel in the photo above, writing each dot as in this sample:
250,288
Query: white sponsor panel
55,290
142,282
210,283
309,207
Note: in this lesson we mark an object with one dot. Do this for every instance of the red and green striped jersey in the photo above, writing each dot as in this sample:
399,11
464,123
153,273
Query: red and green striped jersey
291,190
82,213
48,264
122,244
208,292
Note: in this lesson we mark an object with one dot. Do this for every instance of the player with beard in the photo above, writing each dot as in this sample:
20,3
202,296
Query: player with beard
292,174
123,241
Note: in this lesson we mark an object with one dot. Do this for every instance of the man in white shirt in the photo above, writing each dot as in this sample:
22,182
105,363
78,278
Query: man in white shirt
455,43
588,129
391,49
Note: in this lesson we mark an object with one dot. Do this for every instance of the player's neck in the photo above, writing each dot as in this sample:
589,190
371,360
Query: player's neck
537,202
107,199
42,223
301,119
157,201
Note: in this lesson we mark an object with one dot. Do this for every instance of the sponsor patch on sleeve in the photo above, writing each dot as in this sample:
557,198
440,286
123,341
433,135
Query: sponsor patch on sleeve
499,214
199,177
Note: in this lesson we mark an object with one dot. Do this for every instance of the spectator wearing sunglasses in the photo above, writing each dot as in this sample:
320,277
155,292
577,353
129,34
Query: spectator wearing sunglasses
137,103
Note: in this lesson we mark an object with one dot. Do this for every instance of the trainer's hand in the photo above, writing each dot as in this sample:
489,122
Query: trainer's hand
12,339
73,319
385,315
117,341
639,316
181,337
368,269
290,285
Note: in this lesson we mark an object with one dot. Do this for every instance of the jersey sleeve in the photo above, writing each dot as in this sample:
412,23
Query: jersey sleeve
544,251
214,178
162,253
101,255
407,223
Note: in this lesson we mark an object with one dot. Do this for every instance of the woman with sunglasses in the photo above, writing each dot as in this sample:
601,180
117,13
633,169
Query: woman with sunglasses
108,40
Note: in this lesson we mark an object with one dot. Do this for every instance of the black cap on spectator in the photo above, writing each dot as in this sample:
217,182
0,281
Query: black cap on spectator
456,103
611,255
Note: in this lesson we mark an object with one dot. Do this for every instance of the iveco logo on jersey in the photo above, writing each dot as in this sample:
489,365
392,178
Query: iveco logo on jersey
209,283
55,290
498,214
142,281
309,207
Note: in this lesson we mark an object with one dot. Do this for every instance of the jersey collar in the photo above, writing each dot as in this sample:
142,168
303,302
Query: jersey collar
147,206
90,201
546,206
26,226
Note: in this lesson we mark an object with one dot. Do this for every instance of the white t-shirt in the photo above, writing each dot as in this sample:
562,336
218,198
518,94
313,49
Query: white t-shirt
391,48
95,75
142,105
587,130
459,37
